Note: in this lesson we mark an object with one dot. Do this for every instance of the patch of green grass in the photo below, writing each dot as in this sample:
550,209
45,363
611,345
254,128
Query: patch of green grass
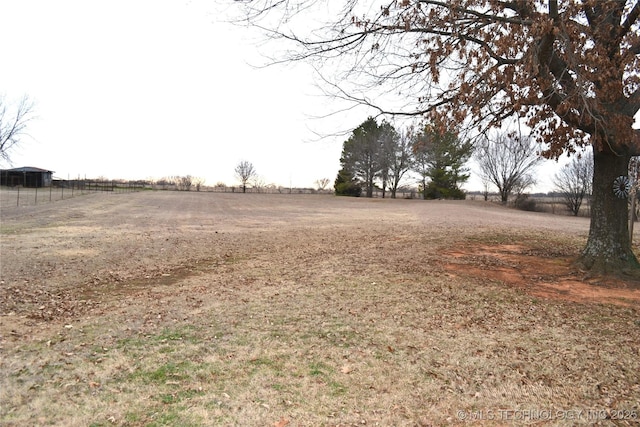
182,333
132,417
130,343
324,373
207,373
337,388
319,369
168,372
278,387
269,366
168,398
163,342
167,419
264,361
162,415
51,368
179,396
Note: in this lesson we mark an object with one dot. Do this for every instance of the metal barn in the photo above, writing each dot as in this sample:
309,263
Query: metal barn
26,177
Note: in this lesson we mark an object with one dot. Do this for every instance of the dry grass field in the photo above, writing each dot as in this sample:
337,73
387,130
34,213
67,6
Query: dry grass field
190,309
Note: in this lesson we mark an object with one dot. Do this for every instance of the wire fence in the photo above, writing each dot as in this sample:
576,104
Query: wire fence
66,189
63,189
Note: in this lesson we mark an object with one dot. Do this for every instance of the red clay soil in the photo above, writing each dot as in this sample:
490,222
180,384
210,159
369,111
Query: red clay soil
541,276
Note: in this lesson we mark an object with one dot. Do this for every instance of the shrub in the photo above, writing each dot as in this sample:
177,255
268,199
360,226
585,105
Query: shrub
525,203
346,185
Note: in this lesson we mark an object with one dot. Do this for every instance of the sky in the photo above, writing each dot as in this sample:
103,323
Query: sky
153,88
147,89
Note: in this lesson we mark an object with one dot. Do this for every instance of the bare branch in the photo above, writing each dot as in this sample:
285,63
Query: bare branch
14,119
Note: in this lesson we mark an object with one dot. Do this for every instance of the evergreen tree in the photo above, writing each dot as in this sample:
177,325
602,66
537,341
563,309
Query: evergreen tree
361,154
347,185
441,157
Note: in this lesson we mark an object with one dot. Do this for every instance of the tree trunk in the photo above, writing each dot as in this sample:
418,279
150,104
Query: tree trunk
608,248
370,187
632,219
504,196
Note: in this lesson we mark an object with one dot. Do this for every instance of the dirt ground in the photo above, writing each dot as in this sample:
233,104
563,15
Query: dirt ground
138,265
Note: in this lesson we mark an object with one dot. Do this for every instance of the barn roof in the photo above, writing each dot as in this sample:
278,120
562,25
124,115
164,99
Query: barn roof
27,169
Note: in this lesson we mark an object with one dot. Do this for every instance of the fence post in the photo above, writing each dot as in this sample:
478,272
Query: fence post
18,200
50,191
36,201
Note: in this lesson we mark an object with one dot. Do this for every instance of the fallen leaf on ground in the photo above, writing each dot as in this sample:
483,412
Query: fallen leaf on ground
282,423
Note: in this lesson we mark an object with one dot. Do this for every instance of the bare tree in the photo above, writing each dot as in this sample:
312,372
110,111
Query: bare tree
164,182
568,70
508,162
198,182
322,183
171,181
14,119
245,172
573,181
259,184
183,183
397,147
421,164
485,189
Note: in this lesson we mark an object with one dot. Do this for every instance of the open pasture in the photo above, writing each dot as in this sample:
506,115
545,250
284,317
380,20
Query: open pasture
175,308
